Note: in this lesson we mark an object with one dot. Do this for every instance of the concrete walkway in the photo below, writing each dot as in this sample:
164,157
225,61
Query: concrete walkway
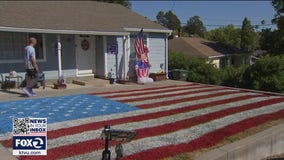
6,154
97,85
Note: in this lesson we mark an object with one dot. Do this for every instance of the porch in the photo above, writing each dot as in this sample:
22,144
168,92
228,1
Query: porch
67,55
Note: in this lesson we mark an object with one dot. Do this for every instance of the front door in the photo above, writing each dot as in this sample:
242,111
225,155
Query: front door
85,54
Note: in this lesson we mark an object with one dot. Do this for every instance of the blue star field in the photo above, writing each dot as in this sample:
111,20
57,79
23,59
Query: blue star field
58,109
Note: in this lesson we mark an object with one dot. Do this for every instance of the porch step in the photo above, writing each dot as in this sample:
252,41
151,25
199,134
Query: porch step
79,82
86,75
82,81
85,81
120,81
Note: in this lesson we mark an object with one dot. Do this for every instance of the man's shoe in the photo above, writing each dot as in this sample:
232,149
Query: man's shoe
26,90
31,91
33,95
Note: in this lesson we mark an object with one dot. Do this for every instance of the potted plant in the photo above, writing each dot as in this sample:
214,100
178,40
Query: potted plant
111,76
160,75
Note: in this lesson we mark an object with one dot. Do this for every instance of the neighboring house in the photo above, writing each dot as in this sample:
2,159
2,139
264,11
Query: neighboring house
219,54
88,31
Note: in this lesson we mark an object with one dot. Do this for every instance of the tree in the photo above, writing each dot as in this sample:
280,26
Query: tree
278,6
262,22
169,20
195,26
248,36
279,16
125,3
228,35
272,40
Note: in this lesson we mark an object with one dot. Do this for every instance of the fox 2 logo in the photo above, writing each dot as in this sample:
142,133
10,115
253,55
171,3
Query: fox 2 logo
29,142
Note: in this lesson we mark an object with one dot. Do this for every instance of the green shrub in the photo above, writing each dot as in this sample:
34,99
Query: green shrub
266,74
204,73
177,61
200,70
233,76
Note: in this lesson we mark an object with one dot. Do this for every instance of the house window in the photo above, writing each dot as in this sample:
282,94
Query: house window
12,46
132,41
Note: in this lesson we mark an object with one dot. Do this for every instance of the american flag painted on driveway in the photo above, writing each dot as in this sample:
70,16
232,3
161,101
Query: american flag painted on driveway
169,120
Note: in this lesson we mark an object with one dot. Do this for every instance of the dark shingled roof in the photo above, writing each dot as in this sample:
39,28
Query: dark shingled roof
200,47
72,15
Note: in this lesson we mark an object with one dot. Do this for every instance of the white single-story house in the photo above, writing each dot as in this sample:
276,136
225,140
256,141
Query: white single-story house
89,33
219,54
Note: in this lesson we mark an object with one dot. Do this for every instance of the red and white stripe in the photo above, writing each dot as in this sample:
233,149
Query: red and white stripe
172,120
139,44
142,72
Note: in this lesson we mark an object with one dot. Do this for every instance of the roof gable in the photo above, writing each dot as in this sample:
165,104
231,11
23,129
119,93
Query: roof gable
72,15
201,47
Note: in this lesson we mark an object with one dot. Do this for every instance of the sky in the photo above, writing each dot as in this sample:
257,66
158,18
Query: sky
211,12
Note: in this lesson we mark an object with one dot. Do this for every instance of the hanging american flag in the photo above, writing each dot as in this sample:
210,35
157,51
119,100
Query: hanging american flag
139,43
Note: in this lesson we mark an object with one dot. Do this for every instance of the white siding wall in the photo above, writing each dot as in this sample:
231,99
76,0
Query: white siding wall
157,47
216,62
117,68
54,74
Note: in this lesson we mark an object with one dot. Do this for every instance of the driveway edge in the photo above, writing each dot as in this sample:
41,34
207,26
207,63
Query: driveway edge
259,146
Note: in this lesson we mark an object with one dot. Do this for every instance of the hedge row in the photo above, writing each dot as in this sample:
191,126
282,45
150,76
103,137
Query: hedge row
266,74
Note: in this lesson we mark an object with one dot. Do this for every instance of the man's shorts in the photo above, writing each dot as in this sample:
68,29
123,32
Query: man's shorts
32,73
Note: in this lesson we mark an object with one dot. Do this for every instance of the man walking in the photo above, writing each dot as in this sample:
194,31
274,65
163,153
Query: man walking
31,67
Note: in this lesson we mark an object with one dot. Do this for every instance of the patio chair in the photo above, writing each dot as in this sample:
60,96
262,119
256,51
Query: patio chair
2,81
41,79
7,84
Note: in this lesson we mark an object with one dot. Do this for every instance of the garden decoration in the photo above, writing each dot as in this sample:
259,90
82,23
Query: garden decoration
111,76
142,67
